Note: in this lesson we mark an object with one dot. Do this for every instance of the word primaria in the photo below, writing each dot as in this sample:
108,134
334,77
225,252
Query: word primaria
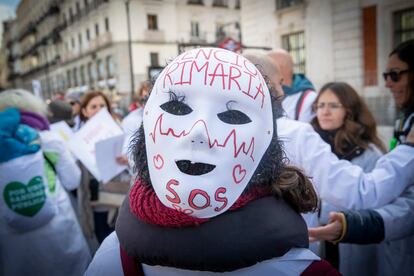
215,70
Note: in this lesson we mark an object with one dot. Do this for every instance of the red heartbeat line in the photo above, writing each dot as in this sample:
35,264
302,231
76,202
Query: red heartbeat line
232,134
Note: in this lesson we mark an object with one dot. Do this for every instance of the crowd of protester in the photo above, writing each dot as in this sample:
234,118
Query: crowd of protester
316,190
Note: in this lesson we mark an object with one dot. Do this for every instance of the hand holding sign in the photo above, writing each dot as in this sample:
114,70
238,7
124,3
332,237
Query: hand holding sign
83,145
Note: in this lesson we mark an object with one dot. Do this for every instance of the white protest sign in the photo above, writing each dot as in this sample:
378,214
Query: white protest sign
63,129
99,127
106,153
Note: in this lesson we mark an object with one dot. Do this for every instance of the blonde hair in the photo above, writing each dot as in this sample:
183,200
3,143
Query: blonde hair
23,100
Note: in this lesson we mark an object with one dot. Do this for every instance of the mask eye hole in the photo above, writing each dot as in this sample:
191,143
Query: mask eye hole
176,107
234,117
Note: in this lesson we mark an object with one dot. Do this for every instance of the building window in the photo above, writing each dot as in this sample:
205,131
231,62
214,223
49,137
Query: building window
91,72
154,59
86,4
69,78
71,15
75,77
152,22
195,32
369,23
101,69
88,35
403,25
294,43
110,66
96,29
78,8
237,6
107,24
80,40
195,2
82,75
61,82
220,33
220,3
283,4
73,42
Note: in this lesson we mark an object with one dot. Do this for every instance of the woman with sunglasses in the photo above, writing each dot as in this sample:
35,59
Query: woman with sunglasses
392,226
399,78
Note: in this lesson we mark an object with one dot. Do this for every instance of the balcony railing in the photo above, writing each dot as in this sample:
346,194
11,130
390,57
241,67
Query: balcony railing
154,35
202,37
283,4
99,42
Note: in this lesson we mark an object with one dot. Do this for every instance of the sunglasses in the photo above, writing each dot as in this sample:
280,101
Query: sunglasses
394,75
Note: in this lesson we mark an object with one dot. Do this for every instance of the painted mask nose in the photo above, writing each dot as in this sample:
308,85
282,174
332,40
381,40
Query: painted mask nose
199,137
198,142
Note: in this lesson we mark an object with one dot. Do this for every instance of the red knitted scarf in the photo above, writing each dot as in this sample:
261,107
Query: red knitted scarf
145,204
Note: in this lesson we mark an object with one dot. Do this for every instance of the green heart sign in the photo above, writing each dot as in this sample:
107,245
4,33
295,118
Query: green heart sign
26,200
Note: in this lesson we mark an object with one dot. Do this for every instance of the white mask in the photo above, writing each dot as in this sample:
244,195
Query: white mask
207,123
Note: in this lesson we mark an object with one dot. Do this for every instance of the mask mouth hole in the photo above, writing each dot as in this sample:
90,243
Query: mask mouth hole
194,168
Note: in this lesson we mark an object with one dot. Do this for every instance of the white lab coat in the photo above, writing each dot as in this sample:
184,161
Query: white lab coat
130,124
356,259
396,252
338,181
107,262
306,114
58,247
347,186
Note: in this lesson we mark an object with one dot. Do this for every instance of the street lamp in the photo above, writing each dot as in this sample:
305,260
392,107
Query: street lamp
131,68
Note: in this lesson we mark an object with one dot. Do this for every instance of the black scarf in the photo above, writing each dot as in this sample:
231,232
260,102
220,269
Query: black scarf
263,229
351,150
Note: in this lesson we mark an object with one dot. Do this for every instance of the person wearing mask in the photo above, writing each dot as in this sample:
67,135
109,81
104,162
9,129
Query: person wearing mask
344,121
299,91
392,225
353,188
213,193
39,233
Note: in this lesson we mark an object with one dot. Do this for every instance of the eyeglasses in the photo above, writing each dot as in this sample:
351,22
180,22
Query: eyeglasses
395,75
330,106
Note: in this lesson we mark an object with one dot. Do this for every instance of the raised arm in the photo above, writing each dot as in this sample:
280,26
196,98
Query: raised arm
340,183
